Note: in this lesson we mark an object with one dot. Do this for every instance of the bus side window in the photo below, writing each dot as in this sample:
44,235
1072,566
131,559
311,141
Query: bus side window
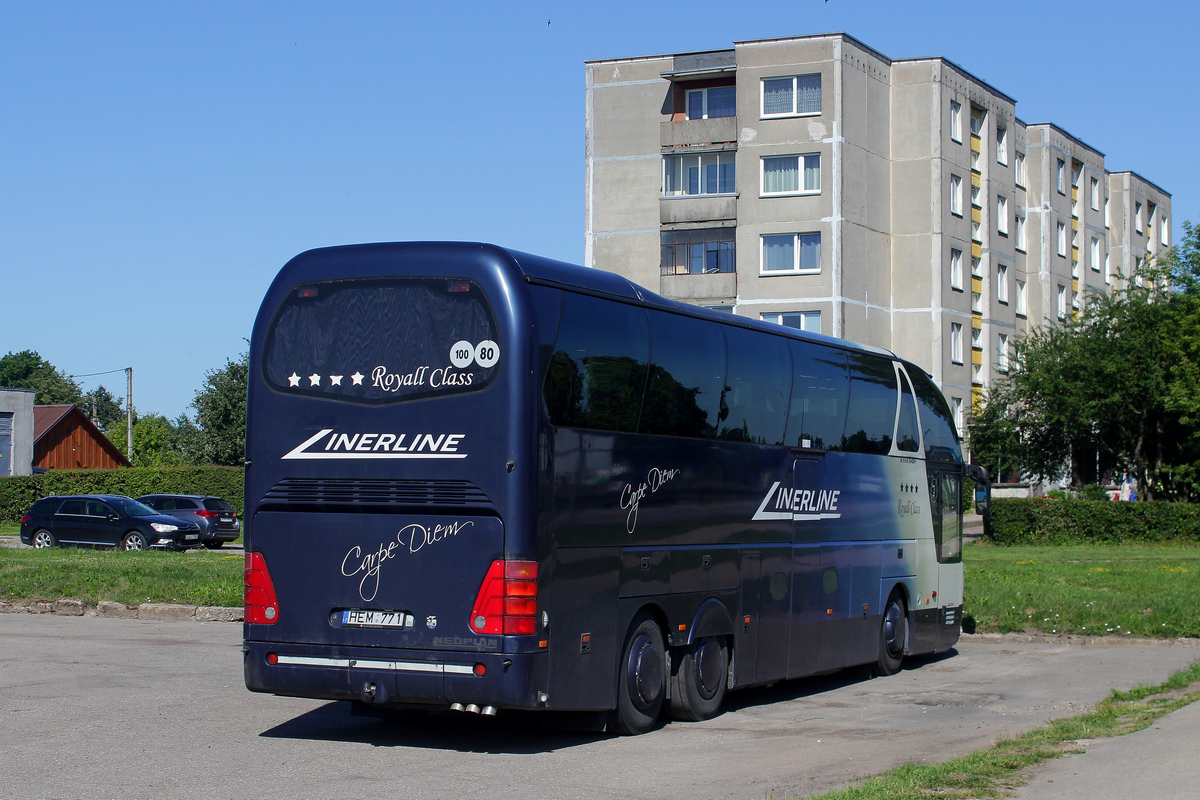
819,393
683,394
754,401
598,371
941,441
872,412
908,432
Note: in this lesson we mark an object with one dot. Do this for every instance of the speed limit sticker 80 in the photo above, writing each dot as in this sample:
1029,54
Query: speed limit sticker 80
485,354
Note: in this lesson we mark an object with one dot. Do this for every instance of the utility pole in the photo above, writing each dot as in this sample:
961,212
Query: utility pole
129,412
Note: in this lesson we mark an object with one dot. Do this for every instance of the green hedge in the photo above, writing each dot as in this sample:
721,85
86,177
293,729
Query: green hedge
18,493
1049,521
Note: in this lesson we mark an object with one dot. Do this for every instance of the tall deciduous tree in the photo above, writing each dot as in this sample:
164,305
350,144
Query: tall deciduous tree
28,370
221,414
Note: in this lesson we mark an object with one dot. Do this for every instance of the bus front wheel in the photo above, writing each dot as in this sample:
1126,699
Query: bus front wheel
893,634
641,679
699,680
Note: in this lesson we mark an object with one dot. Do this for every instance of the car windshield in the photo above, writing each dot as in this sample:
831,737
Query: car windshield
132,508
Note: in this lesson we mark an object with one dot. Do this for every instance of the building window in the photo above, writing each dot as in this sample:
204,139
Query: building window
977,302
956,120
956,199
1002,283
1095,194
1076,173
956,354
791,174
976,267
956,272
796,253
1165,231
711,103
1108,268
1020,243
956,404
1062,239
1022,300
976,374
978,115
791,97
1002,352
975,194
1094,255
801,320
1060,177
1061,302
1001,145
1137,217
1002,215
976,231
1107,218
698,174
697,251
1019,170
976,338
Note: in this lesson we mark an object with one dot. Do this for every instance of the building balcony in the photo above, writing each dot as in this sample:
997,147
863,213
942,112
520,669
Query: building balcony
698,287
698,132
698,208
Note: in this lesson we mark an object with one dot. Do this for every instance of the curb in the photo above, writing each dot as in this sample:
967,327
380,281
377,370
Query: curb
162,612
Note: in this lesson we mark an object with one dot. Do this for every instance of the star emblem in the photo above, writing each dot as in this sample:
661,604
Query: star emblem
356,378
293,379
314,380
335,380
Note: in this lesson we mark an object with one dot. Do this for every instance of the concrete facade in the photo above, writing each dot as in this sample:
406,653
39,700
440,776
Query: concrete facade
16,444
914,210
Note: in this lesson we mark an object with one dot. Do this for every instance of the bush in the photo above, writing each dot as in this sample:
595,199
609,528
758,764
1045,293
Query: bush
1053,521
18,493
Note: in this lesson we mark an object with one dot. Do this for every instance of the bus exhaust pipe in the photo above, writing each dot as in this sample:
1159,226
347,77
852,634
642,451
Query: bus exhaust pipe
488,711
457,707
472,708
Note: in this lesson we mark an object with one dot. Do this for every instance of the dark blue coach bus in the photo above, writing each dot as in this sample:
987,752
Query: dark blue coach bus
481,480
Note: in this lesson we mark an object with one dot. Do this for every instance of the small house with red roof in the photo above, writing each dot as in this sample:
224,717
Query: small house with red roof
64,438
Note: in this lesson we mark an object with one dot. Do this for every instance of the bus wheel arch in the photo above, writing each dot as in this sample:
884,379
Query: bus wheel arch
893,633
641,677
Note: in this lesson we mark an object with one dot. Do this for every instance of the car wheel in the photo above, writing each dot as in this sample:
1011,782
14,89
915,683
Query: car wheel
699,680
43,538
134,540
641,679
213,545
893,635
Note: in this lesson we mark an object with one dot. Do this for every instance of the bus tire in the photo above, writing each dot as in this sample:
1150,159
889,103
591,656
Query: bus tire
699,680
641,679
893,633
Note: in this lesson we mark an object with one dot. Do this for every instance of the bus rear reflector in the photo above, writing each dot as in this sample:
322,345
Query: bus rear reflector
258,592
507,599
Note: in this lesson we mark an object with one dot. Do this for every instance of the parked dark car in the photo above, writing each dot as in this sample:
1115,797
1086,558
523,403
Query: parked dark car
217,520
104,520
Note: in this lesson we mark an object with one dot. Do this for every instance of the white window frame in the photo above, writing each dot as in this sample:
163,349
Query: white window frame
956,406
704,101
956,196
1094,254
1001,145
1107,215
1002,283
796,252
1060,176
762,96
1094,190
1137,217
976,374
1022,299
977,302
1164,233
1019,170
1062,239
809,320
956,121
1060,303
1002,214
977,266
802,160
1020,242
956,269
956,351
1108,268
976,338
1002,352
727,155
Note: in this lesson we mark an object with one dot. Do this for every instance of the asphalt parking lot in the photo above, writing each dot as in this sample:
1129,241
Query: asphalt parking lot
101,708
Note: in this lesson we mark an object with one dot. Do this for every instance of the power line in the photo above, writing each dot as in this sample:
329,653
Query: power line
93,374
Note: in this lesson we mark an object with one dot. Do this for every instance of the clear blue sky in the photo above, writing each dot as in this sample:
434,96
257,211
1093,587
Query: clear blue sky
159,161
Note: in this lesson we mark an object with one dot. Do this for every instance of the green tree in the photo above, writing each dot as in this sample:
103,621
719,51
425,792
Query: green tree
155,442
221,414
28,370
110,411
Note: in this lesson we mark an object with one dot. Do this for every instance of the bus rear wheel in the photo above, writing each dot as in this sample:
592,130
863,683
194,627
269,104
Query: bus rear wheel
699,680
641,679
893,634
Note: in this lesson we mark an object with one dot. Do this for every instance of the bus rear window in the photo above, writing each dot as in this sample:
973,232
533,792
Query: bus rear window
383,340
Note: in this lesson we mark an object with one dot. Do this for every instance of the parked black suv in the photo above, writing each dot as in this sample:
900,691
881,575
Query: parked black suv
104,520
217,520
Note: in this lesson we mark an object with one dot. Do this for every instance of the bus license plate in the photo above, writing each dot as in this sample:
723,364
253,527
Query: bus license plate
363,618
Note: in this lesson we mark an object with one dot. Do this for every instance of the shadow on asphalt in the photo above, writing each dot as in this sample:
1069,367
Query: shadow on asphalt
526,733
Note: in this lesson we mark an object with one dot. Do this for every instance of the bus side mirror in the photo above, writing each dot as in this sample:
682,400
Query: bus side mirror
983,489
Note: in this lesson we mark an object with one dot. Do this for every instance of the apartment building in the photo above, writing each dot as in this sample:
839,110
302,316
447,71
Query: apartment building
814,182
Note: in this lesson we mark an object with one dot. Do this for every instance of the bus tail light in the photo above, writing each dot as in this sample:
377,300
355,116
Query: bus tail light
507,599
258,592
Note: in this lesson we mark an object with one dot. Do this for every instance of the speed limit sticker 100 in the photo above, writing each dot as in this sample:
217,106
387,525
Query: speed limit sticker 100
485,354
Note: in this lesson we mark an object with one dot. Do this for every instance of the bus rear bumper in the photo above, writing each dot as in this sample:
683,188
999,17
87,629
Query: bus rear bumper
421,678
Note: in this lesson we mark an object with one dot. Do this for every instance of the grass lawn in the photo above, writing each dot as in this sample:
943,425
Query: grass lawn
1113,590
196,577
